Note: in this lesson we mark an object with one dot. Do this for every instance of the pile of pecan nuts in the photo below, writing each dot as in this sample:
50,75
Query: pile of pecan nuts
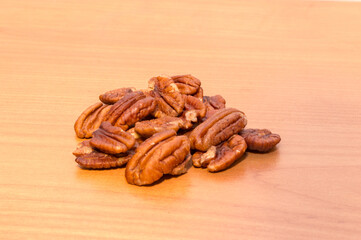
165,129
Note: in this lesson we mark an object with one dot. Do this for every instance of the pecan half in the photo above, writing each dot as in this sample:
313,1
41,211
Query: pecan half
187,84
261,140
99,160
157,156
220,157
169,100
83,148
115,95
150,127
91,119
216,102
194,108
130,109
90,158
111,139
213,103
217,128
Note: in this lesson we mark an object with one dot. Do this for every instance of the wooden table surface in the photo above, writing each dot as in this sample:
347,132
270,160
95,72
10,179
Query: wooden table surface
292,66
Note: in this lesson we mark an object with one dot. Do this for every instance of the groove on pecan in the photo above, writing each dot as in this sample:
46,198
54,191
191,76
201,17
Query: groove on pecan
157,156
187,84
115,95
217,128
111,139
91,119
130,109
169,100
150,127
261,140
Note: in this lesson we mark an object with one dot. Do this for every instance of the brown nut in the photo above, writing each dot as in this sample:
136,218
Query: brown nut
150,127
91,119
217,128
157,156
194,108
220,157
130,109
169,100
99,160
187,84
213,103
216,102
261,140
83,148
111,139
115,95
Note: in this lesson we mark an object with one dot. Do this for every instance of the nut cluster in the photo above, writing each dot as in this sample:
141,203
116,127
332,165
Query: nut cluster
164,130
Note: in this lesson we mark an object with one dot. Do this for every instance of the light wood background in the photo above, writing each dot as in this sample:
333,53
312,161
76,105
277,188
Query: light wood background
292,66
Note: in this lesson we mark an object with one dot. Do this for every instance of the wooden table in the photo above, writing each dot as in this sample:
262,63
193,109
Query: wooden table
292,66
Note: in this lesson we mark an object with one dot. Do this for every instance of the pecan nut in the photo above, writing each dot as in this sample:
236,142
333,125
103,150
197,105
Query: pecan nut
115,95
261,140
157,156
187,84
194,108
213,103
150,127
169,100
91,119
217,128
99,160
89,158
220,157
130,109
83,148
111,139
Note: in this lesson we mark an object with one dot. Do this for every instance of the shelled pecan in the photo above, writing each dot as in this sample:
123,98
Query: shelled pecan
261,140
217,128
213,103
90,158
187,84
130,109
149,127
115,95
157,156
83,148
220,157
91,119
169,100
99,160
111,139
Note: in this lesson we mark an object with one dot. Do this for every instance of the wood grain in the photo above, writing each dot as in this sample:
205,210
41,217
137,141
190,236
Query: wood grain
291,66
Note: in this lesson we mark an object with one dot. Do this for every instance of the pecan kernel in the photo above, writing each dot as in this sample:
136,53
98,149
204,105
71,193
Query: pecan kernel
261,140
157,156
111,139
217,128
